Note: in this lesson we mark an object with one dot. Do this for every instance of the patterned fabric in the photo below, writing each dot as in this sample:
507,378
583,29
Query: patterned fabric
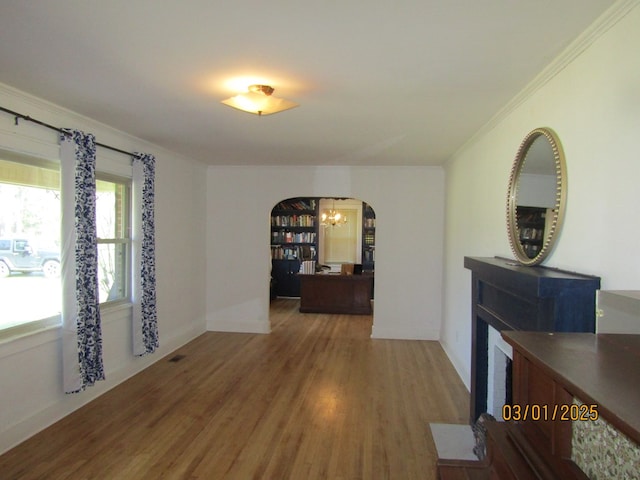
603,452
145,318
82,333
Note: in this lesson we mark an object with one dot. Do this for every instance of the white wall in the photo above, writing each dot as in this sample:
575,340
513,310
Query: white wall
409,232
31,395
592,101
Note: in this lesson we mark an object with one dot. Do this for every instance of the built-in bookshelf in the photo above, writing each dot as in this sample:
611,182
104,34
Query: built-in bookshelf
294,229
294,234
368,237
531,225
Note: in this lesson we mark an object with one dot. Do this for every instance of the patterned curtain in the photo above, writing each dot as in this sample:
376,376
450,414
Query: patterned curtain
145,318
81,331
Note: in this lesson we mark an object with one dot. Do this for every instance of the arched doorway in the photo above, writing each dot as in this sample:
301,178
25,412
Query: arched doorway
305,229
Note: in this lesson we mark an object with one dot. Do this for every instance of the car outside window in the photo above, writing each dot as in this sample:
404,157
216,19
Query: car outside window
30,268
30,287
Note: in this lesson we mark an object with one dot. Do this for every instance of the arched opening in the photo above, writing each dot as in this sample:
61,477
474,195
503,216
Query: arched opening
328,237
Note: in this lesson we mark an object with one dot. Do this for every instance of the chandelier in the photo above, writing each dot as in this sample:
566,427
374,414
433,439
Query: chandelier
332,218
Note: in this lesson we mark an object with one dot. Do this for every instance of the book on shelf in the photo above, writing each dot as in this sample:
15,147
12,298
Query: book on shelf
369,239
304,220
293,237
297,252
297,204
308,267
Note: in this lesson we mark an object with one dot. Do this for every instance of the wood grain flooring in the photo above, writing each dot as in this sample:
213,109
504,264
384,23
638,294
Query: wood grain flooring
315,399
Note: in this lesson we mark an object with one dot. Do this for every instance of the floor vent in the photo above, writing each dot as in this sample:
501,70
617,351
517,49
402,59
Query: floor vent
176,358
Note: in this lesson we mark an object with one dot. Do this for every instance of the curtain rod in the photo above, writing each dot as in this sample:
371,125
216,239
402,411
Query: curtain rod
57,129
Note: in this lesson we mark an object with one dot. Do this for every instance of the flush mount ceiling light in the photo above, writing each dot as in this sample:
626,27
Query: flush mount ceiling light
260,101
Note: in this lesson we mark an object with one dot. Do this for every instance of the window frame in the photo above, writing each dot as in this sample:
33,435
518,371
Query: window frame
127,240
54,322
41,324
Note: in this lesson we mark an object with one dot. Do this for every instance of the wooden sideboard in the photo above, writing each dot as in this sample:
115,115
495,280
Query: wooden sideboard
561,383
330,293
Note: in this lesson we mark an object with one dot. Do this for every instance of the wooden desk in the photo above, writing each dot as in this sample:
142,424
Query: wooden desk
329,293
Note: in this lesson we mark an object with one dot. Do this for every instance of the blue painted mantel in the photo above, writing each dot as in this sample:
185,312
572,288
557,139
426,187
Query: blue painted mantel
509,296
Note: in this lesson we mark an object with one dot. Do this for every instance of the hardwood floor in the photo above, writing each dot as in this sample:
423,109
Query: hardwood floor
315,399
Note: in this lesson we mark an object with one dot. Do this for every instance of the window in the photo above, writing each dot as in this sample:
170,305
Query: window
343,243
30,287
114,237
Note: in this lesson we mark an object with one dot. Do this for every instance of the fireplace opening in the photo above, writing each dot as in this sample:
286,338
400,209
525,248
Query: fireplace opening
508,398
499,371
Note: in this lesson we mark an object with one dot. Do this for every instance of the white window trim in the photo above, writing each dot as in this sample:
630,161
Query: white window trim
127,298
48,329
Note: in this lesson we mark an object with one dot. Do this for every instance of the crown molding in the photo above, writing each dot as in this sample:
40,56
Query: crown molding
54,114
605,22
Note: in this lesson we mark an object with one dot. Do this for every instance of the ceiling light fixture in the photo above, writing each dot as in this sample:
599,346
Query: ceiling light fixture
260,101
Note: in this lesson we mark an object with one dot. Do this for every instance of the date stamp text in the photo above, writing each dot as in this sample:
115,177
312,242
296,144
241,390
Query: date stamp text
561,413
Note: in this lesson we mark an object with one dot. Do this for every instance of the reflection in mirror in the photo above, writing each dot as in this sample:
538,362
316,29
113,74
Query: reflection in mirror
536,197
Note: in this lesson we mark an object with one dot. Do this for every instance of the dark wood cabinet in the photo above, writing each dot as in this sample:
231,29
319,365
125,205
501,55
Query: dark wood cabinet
574,413
284,274
332,293
579,387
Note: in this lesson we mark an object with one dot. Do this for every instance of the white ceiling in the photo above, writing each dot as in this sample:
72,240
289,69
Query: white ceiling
379,82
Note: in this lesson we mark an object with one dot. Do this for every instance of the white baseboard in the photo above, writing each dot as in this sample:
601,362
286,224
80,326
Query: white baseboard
395,333
67,404
239,326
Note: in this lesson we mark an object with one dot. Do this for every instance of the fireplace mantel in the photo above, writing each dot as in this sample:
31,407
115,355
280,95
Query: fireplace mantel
508,296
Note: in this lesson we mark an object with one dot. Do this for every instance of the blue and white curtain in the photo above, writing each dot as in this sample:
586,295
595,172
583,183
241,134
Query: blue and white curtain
81,329
145,318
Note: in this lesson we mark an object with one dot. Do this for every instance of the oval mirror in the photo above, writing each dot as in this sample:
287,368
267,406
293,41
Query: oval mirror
536,197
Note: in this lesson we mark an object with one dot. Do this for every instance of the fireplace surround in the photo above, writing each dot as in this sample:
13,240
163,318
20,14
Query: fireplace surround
509,296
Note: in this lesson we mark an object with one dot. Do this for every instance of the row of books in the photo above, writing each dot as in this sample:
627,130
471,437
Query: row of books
370,222
297,204
293,221
369,239
531,233
531,215
369,255
293,237
279,252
